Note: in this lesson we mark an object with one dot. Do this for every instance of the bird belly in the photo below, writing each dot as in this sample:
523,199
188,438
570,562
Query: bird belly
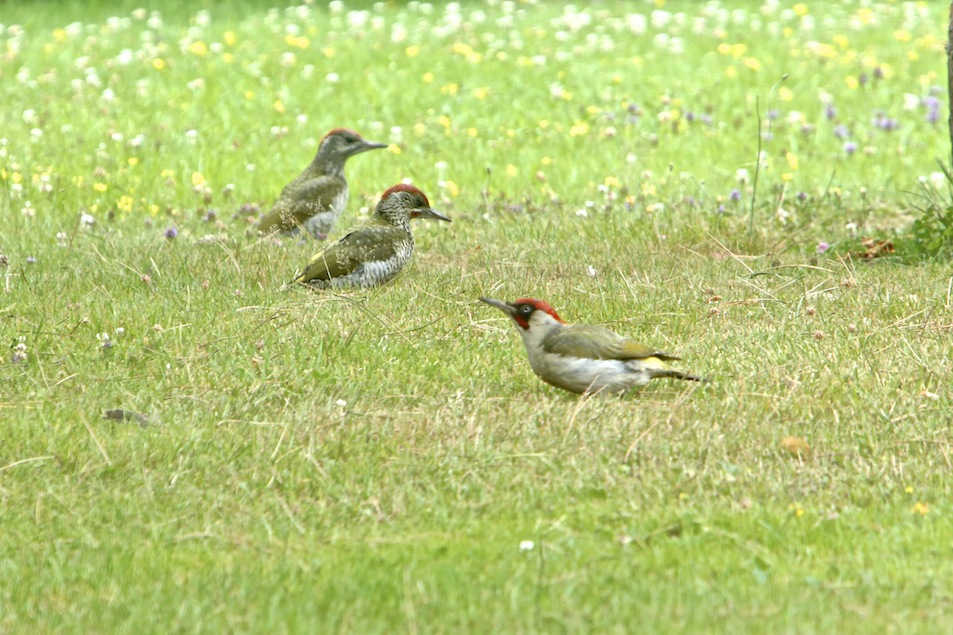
321,223
371,273
580,375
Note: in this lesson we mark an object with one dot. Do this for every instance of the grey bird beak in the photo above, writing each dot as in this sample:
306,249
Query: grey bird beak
499,304
426,212
371,145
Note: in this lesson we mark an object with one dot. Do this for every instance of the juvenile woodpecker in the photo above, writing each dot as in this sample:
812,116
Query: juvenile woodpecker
375,252
317,196
581,358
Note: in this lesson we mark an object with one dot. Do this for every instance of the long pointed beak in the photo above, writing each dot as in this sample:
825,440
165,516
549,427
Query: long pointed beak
499,304
426,212
371,145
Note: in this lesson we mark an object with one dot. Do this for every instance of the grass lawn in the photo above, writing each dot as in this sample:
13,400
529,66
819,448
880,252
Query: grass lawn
385,461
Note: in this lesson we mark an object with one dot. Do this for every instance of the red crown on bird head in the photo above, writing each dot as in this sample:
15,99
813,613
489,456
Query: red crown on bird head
405,187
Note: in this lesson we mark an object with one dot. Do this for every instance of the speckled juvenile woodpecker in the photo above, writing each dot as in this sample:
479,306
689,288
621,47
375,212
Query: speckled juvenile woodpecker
375,252
317,196
581,358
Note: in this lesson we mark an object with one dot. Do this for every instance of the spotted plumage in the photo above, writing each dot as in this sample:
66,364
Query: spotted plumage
315,198
375,252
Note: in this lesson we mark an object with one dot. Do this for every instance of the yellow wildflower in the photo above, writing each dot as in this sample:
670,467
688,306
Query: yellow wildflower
579,129
902,35
452,187
124,204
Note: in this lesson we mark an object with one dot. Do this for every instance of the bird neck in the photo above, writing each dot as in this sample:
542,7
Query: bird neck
534,338
328,164
386,215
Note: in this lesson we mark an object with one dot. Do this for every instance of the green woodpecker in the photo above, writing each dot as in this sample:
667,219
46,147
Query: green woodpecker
375,252
316,198
580,358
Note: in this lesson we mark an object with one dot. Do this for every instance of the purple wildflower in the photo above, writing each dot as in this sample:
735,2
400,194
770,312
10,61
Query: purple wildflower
850,147
30,260
841,131
802,196
829,111
933,108
172,232
885,123
822,247
19,351
735,195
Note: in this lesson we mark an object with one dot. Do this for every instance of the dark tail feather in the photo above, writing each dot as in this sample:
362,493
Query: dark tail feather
676,374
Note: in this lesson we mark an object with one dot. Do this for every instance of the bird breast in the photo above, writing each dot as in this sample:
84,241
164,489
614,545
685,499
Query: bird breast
578,374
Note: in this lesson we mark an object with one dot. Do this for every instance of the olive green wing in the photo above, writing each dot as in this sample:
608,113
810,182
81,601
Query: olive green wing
348,254
597,342
299,201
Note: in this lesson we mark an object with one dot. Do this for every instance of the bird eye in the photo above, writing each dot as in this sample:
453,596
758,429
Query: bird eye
526,310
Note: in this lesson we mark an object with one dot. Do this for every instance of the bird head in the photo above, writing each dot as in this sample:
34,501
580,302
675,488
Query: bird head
527,312
402,202
342,143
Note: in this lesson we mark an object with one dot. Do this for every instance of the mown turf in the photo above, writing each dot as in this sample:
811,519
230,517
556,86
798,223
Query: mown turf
385,460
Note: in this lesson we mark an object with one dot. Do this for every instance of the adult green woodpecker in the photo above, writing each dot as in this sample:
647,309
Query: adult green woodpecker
317,196
375,252
581,358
